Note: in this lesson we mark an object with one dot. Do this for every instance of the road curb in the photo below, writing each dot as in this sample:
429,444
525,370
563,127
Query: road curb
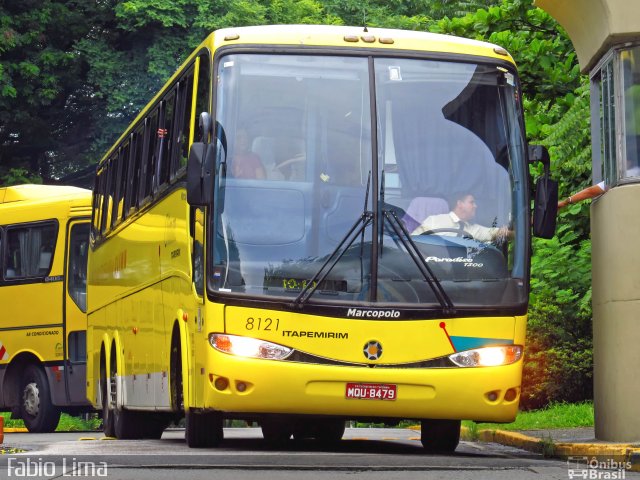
618,451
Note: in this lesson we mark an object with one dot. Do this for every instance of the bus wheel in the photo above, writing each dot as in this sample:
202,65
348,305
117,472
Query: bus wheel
154,424
175,375
107,415
440,435
329,432
326,432
276,432
36,409
203,429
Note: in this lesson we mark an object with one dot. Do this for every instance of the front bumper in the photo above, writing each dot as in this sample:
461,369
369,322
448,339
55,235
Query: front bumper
255,386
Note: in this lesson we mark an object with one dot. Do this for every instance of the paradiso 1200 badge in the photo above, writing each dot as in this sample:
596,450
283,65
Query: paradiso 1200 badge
372,350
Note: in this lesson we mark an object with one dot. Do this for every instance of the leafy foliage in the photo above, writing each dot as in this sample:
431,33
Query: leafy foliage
17,176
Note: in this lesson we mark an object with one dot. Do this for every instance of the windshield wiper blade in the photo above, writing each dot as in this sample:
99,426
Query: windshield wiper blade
363,221
358,227
414,253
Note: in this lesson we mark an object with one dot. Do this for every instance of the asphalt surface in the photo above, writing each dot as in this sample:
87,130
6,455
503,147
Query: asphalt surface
378,453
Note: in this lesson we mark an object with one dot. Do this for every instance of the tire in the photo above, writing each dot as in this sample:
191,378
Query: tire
126,424
154,424
107,416
440,436
276,432
203,429
36,409
327,432
177,396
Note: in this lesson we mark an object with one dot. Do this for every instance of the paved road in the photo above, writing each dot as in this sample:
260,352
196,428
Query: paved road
371,454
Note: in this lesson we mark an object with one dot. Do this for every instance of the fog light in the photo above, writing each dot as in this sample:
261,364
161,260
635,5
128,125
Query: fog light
221,383
511,395
492,396
241,386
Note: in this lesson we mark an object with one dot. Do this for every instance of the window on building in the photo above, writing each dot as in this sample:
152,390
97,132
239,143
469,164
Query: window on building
616,107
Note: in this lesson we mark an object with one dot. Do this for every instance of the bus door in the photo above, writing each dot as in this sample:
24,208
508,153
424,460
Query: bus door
196,353
75,317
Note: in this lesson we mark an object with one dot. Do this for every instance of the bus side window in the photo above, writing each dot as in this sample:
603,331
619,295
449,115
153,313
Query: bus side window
120,158
150,134
95,211
2,270
30,250
143,164
164,142
78,346
127,180
202,94
182,124
106,197
197,254
4,261
77,269
136,160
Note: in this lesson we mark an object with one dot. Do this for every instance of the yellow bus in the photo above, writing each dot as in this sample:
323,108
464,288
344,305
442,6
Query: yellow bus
44,240
270,239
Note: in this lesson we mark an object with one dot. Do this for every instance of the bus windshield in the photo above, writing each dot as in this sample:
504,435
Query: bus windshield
370,179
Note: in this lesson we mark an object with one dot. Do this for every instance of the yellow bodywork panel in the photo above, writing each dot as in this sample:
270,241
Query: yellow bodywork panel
316,386
345,339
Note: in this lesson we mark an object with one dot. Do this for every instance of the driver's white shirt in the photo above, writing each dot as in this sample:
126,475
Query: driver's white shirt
451,220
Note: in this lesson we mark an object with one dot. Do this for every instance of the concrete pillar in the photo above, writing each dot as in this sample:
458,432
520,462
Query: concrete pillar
615,233
599,28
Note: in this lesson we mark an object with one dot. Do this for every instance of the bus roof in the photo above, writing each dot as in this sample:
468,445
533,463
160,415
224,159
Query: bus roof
344,36
329,36
31,192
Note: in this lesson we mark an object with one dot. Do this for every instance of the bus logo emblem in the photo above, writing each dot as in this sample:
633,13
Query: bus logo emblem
372,350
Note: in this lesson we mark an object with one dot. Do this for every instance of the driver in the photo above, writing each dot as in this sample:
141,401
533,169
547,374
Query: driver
245,163
458,222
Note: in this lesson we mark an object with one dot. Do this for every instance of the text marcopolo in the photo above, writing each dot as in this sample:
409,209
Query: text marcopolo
362,313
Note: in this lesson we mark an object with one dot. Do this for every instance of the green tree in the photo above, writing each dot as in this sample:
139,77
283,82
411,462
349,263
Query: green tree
44,101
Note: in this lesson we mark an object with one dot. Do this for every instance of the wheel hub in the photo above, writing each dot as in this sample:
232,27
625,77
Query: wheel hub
31,399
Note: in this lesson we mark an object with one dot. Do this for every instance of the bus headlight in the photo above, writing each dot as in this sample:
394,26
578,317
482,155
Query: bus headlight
488,356
248,347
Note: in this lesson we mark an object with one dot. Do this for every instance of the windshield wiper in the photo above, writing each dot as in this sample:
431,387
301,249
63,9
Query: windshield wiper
412,249
361,224
356,230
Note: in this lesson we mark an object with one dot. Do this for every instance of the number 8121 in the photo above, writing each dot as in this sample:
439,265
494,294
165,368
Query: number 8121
259,323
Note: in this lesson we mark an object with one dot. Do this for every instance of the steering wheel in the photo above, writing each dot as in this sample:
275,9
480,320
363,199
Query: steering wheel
457,231
298,158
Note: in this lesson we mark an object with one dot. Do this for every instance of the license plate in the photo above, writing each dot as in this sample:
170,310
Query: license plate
372,391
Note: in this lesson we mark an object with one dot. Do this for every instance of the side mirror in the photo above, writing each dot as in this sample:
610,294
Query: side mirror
199,179
200,166
545,206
